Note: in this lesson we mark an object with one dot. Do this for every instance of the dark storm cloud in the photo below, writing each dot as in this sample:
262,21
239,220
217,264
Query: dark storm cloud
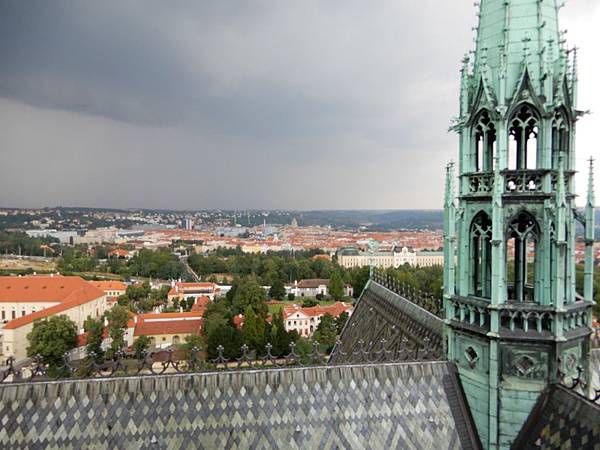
230,104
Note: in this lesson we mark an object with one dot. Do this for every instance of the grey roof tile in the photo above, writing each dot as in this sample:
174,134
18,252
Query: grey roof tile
400,405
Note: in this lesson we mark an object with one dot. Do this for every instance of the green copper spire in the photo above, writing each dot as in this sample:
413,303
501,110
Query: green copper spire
514,36
510,293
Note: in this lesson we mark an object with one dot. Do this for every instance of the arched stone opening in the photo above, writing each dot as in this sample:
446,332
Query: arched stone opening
484,134
522,259
523,139
481,256
560,138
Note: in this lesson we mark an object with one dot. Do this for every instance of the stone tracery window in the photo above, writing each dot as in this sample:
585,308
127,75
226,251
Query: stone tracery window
485,143
523,139
560,137
522,258
481,256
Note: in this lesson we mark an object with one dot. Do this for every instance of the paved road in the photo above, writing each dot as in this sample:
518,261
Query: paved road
194,275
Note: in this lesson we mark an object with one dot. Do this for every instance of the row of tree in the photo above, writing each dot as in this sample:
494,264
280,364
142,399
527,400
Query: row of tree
18,243
161,264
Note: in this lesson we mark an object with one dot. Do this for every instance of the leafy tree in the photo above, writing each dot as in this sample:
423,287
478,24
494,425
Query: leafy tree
19,242
253,330
229,337
280,339
358,279
291,296
303,346
326,332
216,316
137,292
340,321
117,318
249,293
277,290
140,345
336,286
51,339
124,300
95,335
101,252
156,264
308,302
192,341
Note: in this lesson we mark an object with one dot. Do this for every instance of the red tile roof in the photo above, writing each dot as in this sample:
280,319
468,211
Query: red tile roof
335,309
168,323
109,285
313,283
200,304
55,288
69,291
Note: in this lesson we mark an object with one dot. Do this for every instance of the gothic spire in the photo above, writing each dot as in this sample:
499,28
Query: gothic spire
590,194
511,32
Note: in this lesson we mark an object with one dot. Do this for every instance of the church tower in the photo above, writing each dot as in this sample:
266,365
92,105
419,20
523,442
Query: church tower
515,313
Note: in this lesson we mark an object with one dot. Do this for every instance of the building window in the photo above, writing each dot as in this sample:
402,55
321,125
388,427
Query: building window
560,138
14,314
522,258
523,139
3,315
481,256
485,143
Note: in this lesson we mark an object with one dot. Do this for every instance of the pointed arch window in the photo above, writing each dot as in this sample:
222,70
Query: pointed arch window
481,256
485,143
522,259
560,137
523,145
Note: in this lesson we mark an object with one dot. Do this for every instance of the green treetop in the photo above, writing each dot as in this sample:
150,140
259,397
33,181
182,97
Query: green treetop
51,339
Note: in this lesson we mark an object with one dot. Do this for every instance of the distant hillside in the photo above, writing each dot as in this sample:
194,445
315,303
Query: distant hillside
375,219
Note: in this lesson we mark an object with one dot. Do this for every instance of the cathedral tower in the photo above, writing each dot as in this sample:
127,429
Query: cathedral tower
515,315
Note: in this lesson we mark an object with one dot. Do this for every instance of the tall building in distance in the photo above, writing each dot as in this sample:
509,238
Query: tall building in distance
513,315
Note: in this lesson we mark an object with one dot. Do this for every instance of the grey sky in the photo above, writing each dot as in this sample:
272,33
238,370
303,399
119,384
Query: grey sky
242,104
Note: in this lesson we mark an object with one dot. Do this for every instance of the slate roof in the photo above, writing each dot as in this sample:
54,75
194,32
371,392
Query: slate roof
389,406
383,314
561,419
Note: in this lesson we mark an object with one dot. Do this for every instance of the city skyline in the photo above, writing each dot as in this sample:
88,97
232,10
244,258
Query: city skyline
258,106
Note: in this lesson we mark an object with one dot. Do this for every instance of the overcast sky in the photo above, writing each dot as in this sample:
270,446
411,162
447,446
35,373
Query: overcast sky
289,104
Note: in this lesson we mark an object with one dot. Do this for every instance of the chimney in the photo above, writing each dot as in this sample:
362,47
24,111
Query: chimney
135,319
180,309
